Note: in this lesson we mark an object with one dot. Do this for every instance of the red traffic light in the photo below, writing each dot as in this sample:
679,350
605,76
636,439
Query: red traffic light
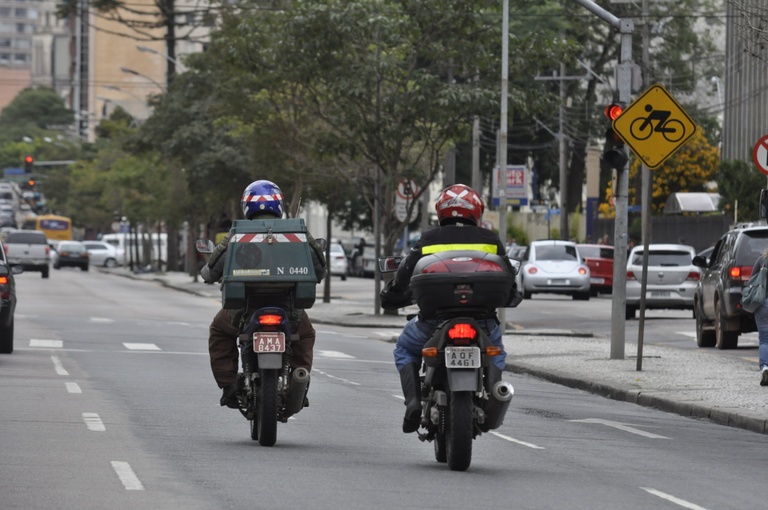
612,111
29,159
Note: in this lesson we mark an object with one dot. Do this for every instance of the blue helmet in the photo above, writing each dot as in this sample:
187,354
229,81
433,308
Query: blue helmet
262,197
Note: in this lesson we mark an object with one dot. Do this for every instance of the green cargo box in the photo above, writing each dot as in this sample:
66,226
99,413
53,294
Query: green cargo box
269,264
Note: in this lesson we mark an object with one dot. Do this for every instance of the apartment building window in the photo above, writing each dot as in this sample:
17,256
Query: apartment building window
5,43
20,58
22,44
5,12
5,58
21,13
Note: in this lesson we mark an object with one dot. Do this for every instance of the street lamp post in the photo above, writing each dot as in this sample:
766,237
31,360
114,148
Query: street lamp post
147,49
136,73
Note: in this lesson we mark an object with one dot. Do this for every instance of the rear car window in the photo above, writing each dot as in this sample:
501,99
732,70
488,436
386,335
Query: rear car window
595,252
556,252
666,258
26,238
751,246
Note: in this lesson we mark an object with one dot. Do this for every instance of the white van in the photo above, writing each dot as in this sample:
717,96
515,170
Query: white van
128,244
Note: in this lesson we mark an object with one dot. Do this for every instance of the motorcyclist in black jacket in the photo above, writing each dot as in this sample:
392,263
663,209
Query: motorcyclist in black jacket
459,210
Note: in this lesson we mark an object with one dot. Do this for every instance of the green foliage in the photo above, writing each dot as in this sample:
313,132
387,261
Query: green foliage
39,107
513,231
739,184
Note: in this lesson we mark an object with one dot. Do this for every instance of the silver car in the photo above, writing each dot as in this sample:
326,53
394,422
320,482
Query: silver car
104,254
554,267
671,281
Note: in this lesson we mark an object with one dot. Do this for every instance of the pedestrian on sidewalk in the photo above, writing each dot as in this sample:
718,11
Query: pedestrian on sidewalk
761,320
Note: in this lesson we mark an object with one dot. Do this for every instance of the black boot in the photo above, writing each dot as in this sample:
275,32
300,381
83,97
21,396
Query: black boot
409,378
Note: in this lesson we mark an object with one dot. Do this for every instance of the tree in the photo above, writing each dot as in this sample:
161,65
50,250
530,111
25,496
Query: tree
739,184
387,87
33,112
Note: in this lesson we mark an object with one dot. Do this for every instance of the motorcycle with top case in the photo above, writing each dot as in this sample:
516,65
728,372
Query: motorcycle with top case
462,391
269,276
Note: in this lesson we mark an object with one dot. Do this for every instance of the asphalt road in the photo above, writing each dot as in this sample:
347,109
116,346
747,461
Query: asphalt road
108,402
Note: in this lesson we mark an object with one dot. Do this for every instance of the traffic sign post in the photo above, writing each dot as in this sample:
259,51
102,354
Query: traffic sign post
654,126
404,196
760,154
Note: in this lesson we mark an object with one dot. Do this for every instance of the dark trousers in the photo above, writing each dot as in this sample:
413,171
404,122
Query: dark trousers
223,348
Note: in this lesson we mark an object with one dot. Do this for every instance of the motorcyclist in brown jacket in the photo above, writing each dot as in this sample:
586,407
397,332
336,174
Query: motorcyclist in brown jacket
262,199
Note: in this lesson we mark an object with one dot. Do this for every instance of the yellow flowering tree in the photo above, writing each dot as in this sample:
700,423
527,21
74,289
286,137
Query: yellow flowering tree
687,170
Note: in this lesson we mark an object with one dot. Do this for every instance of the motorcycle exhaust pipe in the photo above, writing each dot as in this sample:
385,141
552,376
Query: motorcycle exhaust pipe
297,390
497,405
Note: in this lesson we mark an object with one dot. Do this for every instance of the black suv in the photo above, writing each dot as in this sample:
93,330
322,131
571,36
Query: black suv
719,316
7,301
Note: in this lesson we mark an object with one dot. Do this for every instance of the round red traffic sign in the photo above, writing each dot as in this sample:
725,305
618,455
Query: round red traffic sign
760,154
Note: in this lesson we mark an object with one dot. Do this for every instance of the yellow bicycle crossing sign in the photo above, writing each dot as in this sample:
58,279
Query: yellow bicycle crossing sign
654,126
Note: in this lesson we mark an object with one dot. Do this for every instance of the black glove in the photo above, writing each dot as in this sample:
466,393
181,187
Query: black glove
393,299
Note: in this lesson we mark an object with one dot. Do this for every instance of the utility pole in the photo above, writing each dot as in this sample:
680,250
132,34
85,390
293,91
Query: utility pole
619,296
503,140
647,192
563,160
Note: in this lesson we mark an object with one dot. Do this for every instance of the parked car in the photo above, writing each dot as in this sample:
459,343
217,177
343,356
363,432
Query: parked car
671,279
554,267
29,249
7,301
339,264
719,316
104,254
599,259
71,254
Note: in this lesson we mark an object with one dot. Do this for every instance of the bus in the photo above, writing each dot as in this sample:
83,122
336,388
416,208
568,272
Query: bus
56,228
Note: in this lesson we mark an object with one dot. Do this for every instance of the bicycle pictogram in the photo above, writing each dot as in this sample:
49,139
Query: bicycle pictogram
671,129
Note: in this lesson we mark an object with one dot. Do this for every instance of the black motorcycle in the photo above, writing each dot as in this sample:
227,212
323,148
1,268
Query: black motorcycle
268,274
462,392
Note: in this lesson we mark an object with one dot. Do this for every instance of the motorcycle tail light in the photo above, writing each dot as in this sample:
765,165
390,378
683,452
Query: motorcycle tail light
270,320
462,331
429,352
492,350
3,280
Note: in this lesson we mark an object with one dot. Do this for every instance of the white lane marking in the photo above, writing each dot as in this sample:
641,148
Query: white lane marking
58,366
517,441
334,354
50,344
621,426
93,422
178,323
683,503
102,320
687,333
399,396
126,475
73,387
388,334
347,381
141,347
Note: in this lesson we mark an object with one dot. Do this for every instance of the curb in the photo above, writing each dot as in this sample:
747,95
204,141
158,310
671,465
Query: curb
730,417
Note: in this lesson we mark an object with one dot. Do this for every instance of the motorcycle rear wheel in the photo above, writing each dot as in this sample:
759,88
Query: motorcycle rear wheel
266,415
440,435
459,433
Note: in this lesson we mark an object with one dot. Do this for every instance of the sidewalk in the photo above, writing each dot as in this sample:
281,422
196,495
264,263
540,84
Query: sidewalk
696,383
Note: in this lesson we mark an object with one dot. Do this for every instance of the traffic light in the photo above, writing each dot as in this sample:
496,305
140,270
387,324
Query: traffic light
614,153
29,163
31,184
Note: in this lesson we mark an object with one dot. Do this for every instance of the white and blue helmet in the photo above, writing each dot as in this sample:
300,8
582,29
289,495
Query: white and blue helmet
262,197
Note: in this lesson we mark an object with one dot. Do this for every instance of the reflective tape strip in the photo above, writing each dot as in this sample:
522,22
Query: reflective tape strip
437,248
261,198
261,238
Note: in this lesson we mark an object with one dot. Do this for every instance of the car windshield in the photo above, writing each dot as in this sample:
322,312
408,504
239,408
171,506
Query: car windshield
556,252
665,258
595,252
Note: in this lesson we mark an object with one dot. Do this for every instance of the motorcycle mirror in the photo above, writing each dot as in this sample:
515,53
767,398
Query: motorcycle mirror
205,246
389,264
323,243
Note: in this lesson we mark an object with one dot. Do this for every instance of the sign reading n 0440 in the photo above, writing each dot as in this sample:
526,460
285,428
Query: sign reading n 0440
654,126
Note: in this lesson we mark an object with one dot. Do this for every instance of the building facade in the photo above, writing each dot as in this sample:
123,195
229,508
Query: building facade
746,79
